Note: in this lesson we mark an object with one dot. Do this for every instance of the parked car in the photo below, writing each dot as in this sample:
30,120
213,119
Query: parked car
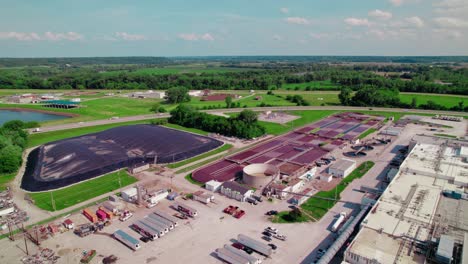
248,250
258,198
238,245
272,212
266,233
266,238
320,252
272,230
273,246
251,200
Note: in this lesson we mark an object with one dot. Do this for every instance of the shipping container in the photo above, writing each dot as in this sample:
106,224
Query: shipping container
101,215
90,215
167,216
108,213
166,222
145,230
126,239
256,245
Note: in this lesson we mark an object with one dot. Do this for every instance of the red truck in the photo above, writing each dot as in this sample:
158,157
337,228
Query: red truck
239,214
90,215
101,215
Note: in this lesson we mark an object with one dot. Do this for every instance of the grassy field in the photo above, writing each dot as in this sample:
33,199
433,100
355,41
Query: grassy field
442,99
317,207
191,180
367,132
83,191
199,157
42,138
5,179
314,85
445,135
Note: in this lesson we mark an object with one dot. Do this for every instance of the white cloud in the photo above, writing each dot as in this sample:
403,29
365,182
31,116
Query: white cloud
451,3
415,21
396,2
207,36
129,37
380,14
319,35
455,34
30,36
352,21
451,22
297,20
277,37
284,10
195,37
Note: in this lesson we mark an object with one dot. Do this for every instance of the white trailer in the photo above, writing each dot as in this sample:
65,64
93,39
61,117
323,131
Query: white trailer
162,220
164,227
256,245
146,230
250,258
338,222
230,257
161,230
126,239
167,216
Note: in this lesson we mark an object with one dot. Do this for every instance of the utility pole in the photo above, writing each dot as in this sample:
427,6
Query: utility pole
25,239
52,200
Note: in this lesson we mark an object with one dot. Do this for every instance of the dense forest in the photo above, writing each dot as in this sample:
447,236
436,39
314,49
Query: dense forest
13,140
245,125
402,77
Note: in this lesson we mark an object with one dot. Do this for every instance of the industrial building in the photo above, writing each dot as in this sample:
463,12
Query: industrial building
149,94
130,194
213,185
235,191
423,214
342,168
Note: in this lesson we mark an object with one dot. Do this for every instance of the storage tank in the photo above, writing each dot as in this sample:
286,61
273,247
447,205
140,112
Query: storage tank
259,175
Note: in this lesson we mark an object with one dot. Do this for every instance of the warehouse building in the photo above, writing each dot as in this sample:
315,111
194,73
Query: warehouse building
413,218
342,168
213,185
235,191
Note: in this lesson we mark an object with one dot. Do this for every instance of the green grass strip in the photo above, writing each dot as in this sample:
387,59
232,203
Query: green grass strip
83,191
191,180
199,157
367,132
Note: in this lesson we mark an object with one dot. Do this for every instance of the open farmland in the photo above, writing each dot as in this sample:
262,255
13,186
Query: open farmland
81,192
446,100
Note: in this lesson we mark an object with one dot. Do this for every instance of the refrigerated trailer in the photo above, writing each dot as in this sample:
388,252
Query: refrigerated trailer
242,253
166,222
161,229
186,209
338,222
145,231
256,245
230,257
126,239
167,216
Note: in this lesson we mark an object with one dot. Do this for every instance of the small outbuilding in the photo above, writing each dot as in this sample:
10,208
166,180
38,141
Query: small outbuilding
326,177
444,252
130,194
203,197
213,185
342,168
235,191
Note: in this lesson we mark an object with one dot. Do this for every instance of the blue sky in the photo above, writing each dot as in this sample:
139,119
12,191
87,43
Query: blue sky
46,28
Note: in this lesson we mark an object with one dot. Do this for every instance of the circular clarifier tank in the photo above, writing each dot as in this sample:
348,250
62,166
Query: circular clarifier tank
259,175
